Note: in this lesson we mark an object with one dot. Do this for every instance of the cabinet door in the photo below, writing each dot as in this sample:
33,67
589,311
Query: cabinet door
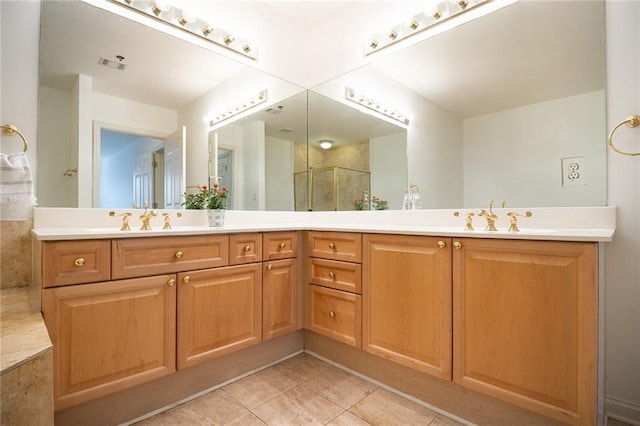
407,301
336,314
279,306
109,336
219,311
525,324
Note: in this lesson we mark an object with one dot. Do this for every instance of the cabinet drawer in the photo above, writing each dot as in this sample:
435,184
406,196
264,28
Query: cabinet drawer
160,255
336,314
245,248
74,262
339,275
280,245
344,246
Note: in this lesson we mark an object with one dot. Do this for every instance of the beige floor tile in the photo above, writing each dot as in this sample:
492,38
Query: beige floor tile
385,408
214,408
298,406
341,388
248,419
348,419
259,388
301,368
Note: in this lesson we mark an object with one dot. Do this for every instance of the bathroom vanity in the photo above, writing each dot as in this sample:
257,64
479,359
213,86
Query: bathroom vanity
510,315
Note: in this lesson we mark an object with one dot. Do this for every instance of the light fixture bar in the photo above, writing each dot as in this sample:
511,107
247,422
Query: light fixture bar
247,104
163,11
370,103
438,12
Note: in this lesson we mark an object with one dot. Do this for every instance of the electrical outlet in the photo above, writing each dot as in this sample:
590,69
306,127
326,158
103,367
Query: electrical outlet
573,171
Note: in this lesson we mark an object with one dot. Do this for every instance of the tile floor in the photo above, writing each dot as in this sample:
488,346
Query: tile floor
302,390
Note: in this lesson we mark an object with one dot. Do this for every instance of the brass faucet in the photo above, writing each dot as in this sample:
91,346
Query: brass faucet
490,216
469,220
167,219
125,220
146,217
513,218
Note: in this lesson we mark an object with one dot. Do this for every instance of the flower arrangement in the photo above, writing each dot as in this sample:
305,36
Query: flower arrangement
379,203
213,198
376,203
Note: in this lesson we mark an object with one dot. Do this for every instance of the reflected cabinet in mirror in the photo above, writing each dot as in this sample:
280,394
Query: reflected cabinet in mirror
121,109
510,106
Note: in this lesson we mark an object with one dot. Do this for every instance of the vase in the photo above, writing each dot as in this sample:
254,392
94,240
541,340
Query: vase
216,217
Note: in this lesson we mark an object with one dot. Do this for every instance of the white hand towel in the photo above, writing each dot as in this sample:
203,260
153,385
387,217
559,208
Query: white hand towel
16,183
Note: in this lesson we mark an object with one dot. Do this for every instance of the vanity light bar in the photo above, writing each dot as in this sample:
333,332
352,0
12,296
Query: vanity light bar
184,20
250,103
435,14
373,105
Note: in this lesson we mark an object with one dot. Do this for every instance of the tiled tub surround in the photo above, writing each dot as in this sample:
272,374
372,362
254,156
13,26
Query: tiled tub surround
563,224
15,250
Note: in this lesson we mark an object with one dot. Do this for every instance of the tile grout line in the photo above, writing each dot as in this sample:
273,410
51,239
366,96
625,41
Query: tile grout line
211,389
393,390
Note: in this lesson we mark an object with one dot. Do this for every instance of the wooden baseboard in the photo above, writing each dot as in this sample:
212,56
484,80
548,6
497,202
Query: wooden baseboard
137,402
623,411
442,395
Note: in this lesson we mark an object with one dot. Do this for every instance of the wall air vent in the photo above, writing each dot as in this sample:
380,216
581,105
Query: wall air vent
113,63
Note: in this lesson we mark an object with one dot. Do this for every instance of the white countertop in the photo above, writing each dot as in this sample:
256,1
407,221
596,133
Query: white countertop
557,223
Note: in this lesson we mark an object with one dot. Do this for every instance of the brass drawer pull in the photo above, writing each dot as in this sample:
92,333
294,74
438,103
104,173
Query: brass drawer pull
171,282
186,279
179,254
283,245
332,274
79,261
269,267
441,244
332,246
457,245
332,314
247,248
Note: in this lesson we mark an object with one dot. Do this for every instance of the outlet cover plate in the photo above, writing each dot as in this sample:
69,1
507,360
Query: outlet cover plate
573,171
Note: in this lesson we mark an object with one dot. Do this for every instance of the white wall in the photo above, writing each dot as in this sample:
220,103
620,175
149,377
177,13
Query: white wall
622,270
279,174
253,166
388,167
515,154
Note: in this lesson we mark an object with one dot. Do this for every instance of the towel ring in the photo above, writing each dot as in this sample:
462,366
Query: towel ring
11,130
631,121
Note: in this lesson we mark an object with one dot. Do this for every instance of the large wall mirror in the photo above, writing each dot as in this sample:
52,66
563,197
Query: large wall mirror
503,107
110,137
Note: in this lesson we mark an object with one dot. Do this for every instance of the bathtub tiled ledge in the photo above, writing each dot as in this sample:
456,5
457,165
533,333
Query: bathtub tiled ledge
23,334
550,223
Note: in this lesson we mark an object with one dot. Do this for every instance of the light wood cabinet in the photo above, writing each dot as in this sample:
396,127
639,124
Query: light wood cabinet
109,336
245,248
280,245
336,314
525,324
279,298
136,257
345,246
219,311
344,276
407,301
75,262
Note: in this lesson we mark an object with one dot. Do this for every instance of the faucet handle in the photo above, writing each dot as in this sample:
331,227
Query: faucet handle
469,220
125,220
167,219
513,218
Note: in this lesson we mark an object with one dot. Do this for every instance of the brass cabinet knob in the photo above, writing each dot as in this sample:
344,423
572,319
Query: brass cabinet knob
283,245
79,261
332,274
269,267
457,245
332,314
179,254
171,282
186,279
247,248
332,246
441,244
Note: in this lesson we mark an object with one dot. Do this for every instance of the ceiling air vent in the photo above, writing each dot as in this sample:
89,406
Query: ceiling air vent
286,130
113,63
276,110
